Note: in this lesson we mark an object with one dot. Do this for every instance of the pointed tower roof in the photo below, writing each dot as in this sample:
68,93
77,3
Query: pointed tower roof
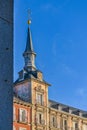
29,54
29,45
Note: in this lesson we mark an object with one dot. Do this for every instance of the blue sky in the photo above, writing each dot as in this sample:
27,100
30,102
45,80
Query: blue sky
59,33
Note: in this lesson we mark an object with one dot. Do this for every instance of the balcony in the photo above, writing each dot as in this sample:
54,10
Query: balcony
20,119
23,120
53,124
39,103
40,122
56,127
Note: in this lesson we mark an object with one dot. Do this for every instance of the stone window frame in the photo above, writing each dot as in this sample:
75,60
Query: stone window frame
38,120
65,126
74,123
39,101
53,123
26,115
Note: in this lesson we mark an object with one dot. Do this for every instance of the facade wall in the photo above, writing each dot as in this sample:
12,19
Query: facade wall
50,124
39,107
70,119
21,116
40,113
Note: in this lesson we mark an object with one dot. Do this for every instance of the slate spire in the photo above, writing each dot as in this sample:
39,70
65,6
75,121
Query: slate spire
29,45
29,54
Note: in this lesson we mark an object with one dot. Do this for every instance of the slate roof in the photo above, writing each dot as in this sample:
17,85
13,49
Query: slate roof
29,45
28,75
67,108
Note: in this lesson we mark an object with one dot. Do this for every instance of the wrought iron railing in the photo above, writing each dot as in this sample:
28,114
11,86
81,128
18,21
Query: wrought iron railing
20,119
39,103
40,122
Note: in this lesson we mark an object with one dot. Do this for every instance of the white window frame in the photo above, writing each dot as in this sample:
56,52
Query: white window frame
38,118
54,123
74,122
20,115
14,113
64,126
39,99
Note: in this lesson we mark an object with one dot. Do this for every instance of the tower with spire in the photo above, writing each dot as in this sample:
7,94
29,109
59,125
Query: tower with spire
29,71
32,108
30,85
29,54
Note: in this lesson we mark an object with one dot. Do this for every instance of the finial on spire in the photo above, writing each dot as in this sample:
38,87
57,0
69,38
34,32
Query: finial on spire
29,16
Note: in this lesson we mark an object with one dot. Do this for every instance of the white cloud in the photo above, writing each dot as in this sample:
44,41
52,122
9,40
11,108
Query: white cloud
82,92
68,70
51,7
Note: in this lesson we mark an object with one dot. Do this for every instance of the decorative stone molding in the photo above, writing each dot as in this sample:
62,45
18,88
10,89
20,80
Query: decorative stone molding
39,89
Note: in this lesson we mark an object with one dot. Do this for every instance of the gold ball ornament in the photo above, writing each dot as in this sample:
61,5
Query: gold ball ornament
29,21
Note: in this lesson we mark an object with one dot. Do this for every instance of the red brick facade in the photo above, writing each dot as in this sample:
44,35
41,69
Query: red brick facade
21,115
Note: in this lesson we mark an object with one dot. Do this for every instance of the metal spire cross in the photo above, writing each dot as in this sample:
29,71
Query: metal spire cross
29,16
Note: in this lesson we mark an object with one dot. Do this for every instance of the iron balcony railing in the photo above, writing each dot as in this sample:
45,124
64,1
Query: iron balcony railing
39,103
53,124
20,119
40,122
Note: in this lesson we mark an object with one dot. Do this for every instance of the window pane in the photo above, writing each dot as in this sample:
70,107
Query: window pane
23,115
39,98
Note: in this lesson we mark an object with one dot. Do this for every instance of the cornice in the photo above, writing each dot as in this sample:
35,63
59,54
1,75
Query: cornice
18,101
66,113
32,79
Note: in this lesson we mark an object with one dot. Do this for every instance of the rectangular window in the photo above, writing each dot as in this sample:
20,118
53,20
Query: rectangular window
75,125
54,123
39,99
23,116
65,124
40,118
